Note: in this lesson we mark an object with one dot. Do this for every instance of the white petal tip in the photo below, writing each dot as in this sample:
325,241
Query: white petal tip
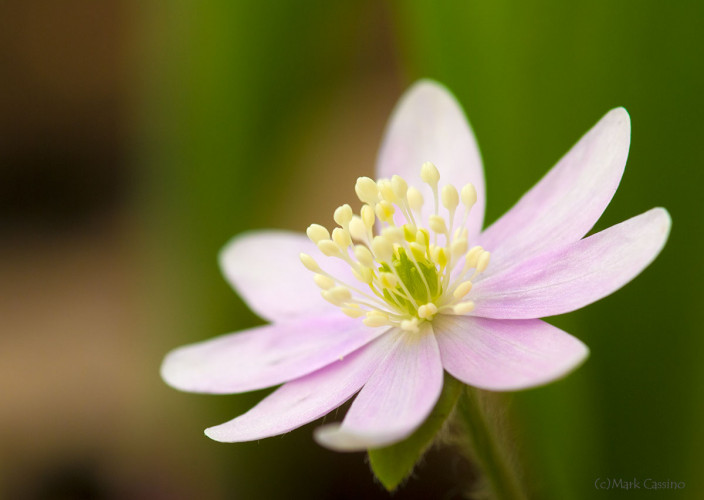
337,438
220,434
213,434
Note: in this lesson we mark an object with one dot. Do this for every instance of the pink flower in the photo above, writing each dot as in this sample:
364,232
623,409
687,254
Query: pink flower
411,289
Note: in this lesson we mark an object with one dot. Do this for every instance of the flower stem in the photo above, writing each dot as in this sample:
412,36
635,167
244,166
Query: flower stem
484,445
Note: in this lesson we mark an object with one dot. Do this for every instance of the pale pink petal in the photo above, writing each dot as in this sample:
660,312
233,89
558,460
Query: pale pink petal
265,269
398,397
506,355
428,124
264,356
305,399
566,203
569,278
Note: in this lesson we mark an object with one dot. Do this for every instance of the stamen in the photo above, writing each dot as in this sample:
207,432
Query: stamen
343,215
367,190
408,276
316,233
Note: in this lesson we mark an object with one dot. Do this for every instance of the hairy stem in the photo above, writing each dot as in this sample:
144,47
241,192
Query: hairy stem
482,443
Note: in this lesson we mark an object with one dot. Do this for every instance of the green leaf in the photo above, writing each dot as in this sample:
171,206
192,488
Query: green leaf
392,464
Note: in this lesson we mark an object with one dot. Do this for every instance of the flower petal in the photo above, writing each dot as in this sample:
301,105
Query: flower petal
566,203
264,356
428,124
305,399
503,355
398,397
265,269
571,277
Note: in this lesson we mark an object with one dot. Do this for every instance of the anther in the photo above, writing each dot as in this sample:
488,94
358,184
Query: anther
386,191
310,263
316,233
462,290
469,195
429,174
363,255
437,224
341,238
415,199
399,186
385,211
483,261
450,198
338,295
329,248
343,215
463,307
367,190
353,311
376,318
368,217
324,282
357,229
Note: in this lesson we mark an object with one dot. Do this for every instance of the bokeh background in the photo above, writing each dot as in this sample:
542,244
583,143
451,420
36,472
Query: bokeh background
136,138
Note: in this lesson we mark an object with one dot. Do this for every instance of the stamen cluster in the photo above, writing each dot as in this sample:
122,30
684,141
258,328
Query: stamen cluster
410,273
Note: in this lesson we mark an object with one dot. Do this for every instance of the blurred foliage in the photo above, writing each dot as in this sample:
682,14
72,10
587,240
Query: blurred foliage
230,87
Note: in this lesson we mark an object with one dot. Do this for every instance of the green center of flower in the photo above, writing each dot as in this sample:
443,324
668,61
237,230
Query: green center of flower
409,274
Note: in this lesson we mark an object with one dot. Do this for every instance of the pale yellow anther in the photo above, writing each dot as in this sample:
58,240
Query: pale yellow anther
337,295
353,311
429,173
388,280
427,311
341,237
415,199
399,186
316,233
364,274
483,261
463,307
450,198
329,248
469,195
383,249
458,247
385,211
410,325
358,230
462,290
310,263
376,318
368,216
437,224
343,215
472,256
363,255
386,191
324,282
367,190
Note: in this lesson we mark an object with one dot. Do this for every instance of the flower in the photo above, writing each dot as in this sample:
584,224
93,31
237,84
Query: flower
413,287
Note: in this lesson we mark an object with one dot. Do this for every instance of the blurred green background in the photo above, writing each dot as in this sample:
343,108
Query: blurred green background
136,138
